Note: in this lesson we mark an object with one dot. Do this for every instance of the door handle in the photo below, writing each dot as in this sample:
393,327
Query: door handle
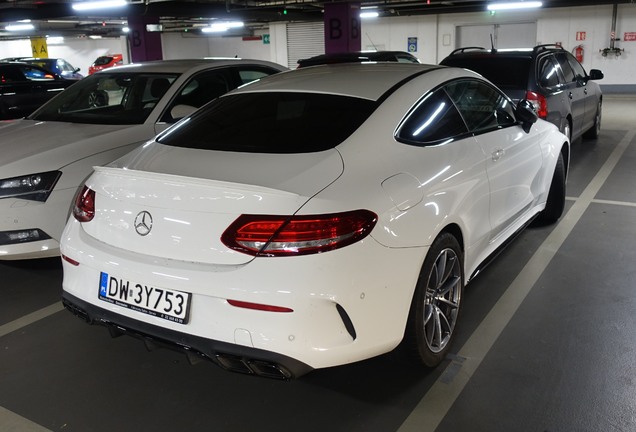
585,90
570,95
497,154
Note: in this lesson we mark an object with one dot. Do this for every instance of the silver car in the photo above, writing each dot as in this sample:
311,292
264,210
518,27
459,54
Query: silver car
46,156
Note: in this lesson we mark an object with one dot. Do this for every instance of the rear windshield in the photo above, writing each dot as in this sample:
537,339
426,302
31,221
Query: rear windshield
101,61
283,122
504,72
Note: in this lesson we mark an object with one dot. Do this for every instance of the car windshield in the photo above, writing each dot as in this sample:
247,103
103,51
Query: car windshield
505,72
277,122
108,98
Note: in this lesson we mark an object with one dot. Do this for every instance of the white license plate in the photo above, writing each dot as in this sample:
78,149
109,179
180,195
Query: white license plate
164,303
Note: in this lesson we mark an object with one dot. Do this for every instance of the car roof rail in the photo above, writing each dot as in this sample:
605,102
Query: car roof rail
462,50
545,47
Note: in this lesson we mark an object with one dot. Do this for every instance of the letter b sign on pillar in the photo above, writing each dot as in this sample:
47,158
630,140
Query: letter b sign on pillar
342,27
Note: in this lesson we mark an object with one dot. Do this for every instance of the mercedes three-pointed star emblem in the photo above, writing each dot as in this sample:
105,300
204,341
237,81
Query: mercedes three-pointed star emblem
143,223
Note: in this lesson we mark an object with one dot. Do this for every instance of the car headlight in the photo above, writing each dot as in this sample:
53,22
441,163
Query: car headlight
35,187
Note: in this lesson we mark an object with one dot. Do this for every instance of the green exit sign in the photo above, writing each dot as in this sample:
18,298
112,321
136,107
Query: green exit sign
266,39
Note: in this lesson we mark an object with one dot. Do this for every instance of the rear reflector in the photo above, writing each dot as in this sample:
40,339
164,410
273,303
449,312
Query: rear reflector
70,260
271,235
258,306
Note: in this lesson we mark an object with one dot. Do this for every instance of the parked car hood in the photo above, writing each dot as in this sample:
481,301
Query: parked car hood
28,146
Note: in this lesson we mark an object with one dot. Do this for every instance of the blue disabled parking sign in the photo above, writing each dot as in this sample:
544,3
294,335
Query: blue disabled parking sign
412,45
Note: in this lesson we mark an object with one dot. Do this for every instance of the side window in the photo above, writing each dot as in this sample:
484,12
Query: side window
64,66
201,89
433,121
253,74
568,73
36,74
548,76
579,72
482,107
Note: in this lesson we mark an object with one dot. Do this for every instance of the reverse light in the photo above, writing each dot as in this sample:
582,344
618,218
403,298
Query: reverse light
539,102
34,187
84,208
273,235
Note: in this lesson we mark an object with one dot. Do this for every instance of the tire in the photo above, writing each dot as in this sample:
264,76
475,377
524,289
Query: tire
595,130
97,98
436,303
556,196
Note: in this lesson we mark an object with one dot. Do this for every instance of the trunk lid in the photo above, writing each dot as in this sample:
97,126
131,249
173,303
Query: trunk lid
176,203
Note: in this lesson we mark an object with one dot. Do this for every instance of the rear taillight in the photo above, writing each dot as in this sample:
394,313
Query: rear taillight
84,208
539,102
266,235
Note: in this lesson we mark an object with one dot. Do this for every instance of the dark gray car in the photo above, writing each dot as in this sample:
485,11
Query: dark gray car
548,76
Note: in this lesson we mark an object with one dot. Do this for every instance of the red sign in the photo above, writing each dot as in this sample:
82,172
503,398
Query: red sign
629,37
580,36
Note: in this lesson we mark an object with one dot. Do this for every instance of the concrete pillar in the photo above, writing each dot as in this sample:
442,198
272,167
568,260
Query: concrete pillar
144,45
342,27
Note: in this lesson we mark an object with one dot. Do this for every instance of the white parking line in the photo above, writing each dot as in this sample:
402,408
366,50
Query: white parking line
11,422
436,403
30,319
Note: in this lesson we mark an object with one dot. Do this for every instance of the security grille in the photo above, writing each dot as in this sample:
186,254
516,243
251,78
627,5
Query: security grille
304,40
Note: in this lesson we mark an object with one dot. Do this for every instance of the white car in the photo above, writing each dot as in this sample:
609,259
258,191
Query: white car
45,157
315,218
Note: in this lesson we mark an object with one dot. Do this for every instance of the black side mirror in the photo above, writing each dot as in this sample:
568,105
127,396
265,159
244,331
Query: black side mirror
596,74
526,114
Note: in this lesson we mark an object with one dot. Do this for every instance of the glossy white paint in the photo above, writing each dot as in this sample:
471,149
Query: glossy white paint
30,147
485,187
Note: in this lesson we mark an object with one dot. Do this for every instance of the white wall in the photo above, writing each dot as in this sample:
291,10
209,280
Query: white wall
436,34
392,34
185,45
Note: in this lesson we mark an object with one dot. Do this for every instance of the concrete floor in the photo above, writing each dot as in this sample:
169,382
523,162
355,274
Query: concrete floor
546,343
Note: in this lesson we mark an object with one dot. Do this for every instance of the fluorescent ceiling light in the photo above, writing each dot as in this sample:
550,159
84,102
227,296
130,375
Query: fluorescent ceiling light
19,27
103,4
222,26
515,5
369,14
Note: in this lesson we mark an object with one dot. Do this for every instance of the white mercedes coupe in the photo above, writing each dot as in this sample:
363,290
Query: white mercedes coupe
314,218
46,157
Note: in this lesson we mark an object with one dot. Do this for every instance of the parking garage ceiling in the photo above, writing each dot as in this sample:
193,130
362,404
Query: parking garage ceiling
58,18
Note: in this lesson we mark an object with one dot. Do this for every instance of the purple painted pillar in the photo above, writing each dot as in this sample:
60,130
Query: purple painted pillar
144,45
342,27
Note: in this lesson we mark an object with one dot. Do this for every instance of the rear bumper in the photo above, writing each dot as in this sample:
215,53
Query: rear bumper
232,357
